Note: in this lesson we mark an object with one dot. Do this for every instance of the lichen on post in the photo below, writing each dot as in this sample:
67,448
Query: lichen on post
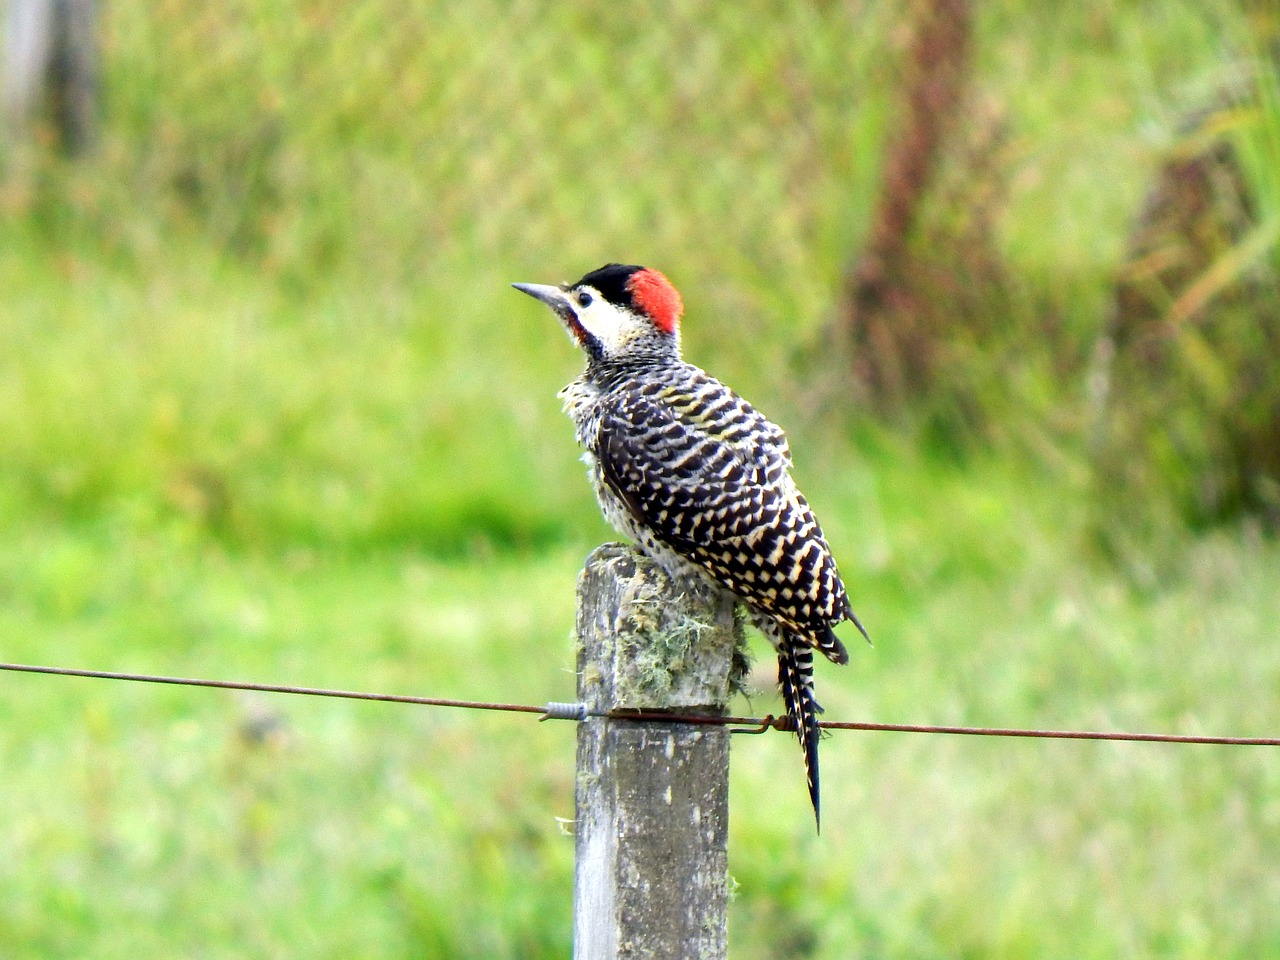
652,797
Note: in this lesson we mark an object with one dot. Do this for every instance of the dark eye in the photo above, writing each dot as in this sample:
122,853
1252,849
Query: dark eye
585,299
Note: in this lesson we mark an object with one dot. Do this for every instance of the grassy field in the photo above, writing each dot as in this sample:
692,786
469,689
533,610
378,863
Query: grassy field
269,411
157,821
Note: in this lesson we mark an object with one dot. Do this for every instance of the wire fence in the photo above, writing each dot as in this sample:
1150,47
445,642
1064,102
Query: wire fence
387,134
554,710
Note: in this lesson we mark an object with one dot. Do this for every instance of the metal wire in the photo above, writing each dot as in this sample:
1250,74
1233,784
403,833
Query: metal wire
273,688
770,722
579,712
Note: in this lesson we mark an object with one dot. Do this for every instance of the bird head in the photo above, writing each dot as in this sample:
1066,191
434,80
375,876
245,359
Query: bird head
617,312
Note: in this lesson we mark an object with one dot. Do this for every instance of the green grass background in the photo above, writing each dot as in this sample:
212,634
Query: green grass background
268,410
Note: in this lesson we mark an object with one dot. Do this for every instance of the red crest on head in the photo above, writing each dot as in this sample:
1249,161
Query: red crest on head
657,298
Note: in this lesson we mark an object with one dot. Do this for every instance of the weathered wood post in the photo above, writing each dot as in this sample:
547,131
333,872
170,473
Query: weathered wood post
50,65
652,798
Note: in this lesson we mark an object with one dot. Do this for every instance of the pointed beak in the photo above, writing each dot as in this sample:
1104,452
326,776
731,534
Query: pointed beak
553,297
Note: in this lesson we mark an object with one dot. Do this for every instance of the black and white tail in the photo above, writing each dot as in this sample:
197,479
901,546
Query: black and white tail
795,677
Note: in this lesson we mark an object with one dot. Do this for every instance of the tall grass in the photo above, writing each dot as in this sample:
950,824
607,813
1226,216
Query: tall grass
1185,373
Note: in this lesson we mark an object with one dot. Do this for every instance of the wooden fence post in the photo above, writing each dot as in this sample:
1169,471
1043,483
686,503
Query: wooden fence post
652,798
51,66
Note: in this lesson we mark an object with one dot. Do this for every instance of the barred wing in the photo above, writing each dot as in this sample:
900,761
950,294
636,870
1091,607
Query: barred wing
703,470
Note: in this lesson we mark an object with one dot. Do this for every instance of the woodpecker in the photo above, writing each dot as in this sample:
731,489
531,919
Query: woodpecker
698,478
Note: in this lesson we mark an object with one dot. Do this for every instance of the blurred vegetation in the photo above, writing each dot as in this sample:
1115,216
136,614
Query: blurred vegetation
350,188
268,408
1186,374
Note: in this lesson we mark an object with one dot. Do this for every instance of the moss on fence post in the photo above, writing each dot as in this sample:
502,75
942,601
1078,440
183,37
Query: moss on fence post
652,798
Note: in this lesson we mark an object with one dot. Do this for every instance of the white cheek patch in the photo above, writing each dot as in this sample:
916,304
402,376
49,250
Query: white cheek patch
607,325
